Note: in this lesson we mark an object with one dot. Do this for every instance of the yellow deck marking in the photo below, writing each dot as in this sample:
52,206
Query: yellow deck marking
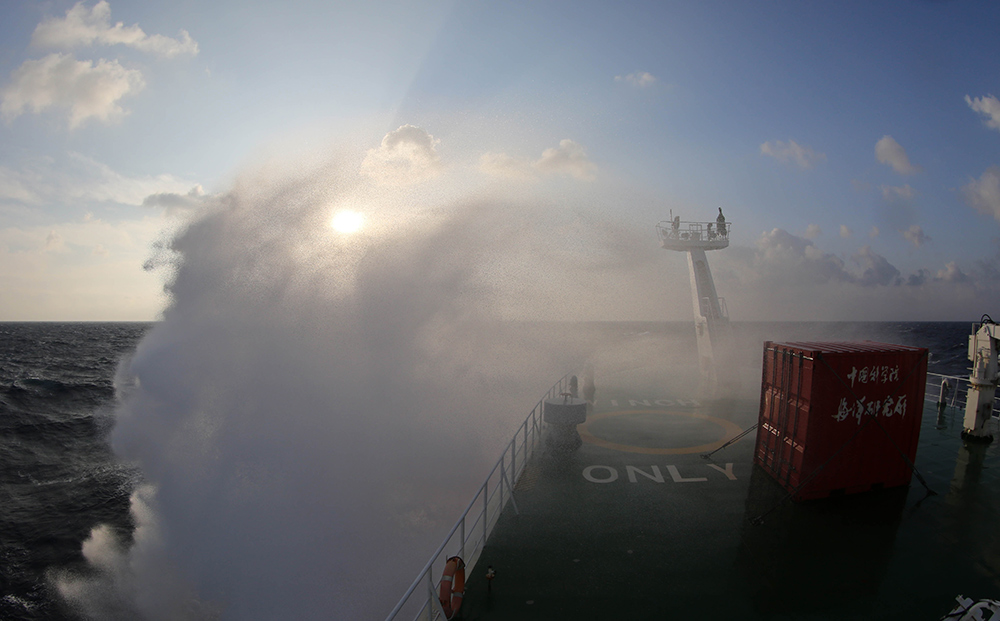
730,429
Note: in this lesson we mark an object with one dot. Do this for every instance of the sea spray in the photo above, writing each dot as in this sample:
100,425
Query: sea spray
315,408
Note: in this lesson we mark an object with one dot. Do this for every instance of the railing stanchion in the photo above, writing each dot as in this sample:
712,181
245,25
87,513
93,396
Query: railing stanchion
525,443
503,467
461,535
486,510
431,599
513,464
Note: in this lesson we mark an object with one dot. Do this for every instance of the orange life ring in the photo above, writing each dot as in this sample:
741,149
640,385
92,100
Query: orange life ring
452,588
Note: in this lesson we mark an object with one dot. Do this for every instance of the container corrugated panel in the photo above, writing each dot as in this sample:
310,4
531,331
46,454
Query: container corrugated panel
839,417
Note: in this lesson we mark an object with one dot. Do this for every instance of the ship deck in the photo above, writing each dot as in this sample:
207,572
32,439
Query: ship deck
636,523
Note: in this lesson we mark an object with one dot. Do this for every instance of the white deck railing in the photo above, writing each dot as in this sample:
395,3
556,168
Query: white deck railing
956,395
707,234
469,534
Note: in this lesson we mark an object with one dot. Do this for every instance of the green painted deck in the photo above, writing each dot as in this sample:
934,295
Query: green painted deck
639,526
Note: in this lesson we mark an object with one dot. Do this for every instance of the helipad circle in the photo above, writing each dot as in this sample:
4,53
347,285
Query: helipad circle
729,428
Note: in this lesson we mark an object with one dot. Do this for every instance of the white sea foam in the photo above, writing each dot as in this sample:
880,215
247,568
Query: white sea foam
315,408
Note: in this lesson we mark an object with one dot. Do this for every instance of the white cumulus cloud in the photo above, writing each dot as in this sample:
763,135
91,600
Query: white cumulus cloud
85,89
406,155
890,152
953,273
782,260
875,269
792,152
641,79
813,231
989,107
984,193
845,232
568,158
83,27
915,235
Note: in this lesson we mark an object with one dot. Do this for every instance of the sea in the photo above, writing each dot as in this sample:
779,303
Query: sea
60,477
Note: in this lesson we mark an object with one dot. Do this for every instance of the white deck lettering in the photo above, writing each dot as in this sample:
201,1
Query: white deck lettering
728,471
608,474
676,476
588,473
655,475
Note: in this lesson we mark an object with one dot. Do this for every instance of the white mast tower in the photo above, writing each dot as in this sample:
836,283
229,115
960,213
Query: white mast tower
711,317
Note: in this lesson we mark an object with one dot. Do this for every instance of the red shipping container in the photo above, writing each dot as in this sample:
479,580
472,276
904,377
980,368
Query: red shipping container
839,417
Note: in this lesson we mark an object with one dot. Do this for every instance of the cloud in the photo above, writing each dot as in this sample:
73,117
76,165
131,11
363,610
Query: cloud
813,231
792,152
989,107
74,180
178,204
406,155
781,260
890,152
892,192
874,232
86,89
782,257
875,269
54,241
984,193
861,186
14,188
918,278
845,232
640,79
915,235
568,158
953,273
83,27
503,165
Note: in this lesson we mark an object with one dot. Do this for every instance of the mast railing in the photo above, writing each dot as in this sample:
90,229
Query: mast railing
468,536
677,235
693,231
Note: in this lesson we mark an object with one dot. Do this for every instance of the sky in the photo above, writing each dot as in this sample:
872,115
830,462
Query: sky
854,146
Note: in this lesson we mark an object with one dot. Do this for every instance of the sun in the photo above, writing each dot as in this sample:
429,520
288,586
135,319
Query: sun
347,221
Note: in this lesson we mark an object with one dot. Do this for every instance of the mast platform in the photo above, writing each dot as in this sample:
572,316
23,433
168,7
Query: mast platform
684,236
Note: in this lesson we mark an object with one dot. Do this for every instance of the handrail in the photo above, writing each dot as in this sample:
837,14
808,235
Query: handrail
958,393
693,230
532,425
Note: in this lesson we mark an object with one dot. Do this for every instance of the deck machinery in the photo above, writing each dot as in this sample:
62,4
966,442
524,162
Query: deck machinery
711,317
984,345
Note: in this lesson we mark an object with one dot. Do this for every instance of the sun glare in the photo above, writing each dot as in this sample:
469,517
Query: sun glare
347,221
